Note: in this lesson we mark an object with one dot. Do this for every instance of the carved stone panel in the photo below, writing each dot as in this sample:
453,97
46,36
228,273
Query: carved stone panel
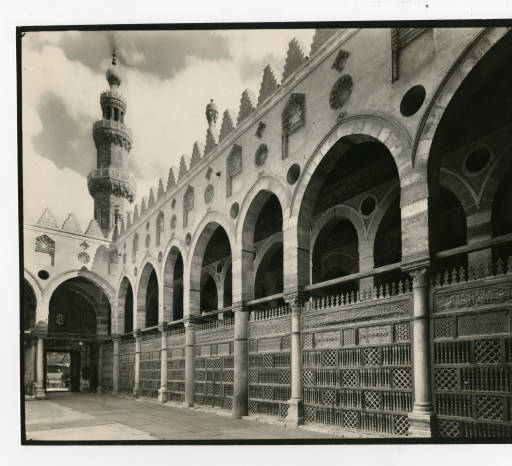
471,298
327,340
375,335
265,328
483,324
269,345
358,313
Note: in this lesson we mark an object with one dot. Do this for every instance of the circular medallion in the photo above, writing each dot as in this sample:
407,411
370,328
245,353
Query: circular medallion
43,274
208,194
235,208
188,239
261,155
412,100
83,257
341,92
293,173
477,160
368,205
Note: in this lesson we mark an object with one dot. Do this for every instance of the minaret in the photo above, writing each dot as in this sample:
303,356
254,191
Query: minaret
111,184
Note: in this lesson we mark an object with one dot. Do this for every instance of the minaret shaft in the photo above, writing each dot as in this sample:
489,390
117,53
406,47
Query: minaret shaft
110,183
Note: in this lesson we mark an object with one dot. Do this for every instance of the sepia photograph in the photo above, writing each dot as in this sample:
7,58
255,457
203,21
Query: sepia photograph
265,233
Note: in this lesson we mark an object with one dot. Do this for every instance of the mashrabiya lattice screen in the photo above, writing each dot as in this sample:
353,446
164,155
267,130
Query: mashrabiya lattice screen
269,362
472,352
176,364
214,364
357,375
149,382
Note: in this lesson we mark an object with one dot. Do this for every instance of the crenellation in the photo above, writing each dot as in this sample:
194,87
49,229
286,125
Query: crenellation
268,86
247,105
182,173
47,219
161,191
294,59
196,154
228,125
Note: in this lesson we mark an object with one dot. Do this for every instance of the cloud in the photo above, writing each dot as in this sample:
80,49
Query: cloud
168,78
162,53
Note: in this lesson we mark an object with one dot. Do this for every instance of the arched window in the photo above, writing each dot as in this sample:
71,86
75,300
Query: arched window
135,247
188,204
159,227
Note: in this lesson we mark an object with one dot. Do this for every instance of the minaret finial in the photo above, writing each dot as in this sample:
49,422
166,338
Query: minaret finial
211,114
114,56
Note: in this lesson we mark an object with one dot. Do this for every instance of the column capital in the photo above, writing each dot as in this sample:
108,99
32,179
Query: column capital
188,323
116,337
162,327
295,300
420,277
414,264
137,333
240,306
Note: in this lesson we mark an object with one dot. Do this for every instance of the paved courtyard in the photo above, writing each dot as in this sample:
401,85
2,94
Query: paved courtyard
77,416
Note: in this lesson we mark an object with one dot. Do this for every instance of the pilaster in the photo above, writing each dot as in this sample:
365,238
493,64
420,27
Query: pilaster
116,340
241,380
99,388
421,419
136,384
162,392
295,415
40,393
189,362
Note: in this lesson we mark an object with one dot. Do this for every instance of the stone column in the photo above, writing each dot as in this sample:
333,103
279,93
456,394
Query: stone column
189,363
136,388
421,418
33,356
240,377
40,392
115,364
162,392
295,415
99,388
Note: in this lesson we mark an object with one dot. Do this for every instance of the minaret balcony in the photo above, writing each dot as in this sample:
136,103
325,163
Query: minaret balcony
113,98
112,132
113,180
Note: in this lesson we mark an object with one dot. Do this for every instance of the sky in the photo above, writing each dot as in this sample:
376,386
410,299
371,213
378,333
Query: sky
168,77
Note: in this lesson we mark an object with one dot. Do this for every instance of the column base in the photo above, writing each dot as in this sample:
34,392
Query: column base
421,425
99,390
39,393
136,391
188,404
295,415
162,395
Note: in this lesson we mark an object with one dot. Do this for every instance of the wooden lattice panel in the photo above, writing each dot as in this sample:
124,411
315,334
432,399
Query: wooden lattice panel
176,368
106,372
359,377
472,358
150,366
127,365
214,375
269,367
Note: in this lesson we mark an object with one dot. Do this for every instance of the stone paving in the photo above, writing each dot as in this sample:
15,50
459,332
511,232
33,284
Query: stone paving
78,416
